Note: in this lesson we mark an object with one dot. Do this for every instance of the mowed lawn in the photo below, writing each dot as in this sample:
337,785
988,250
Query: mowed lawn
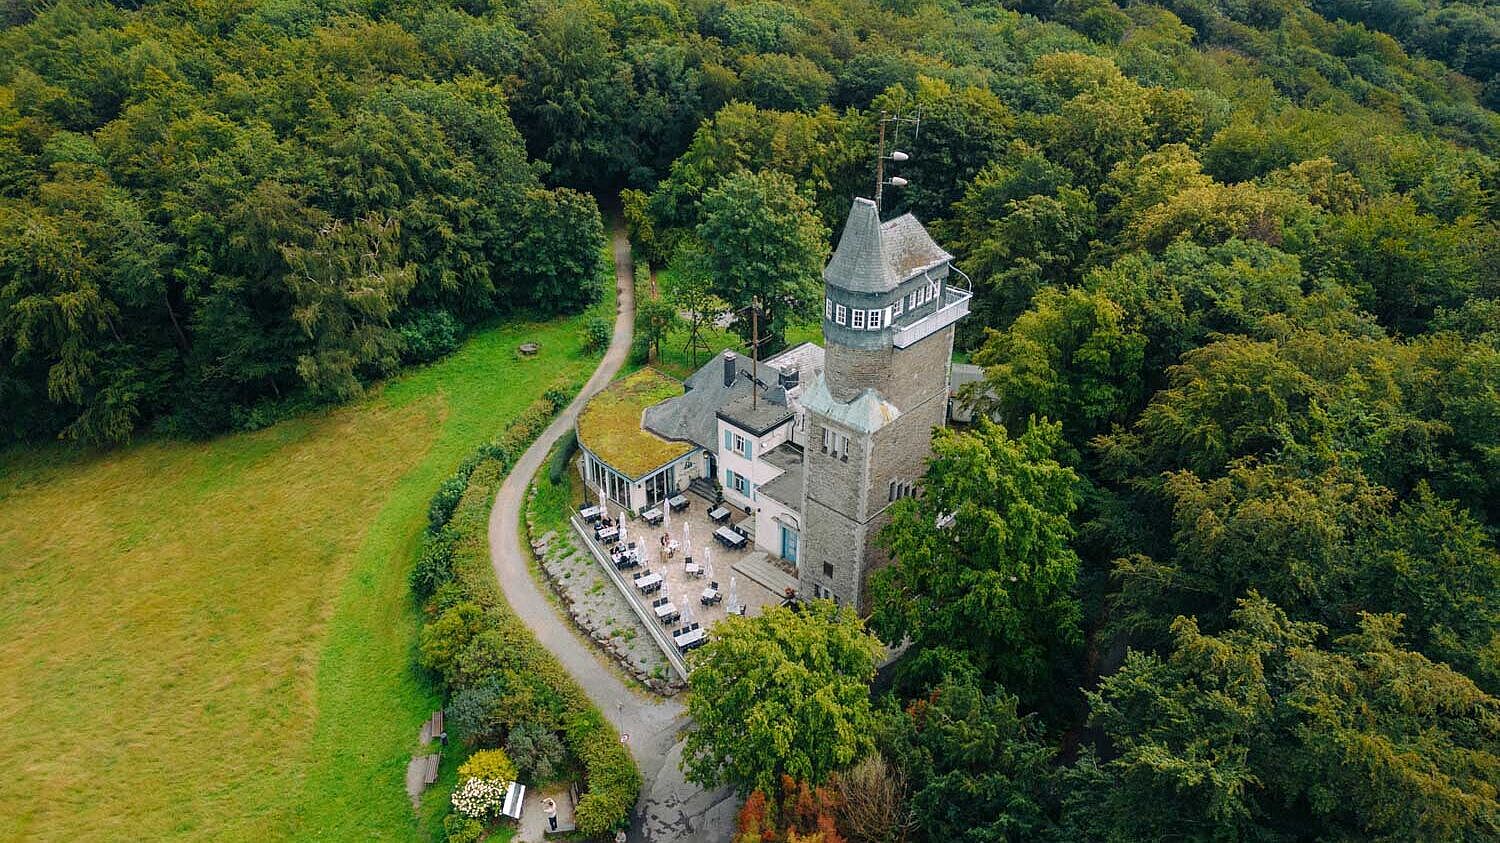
214,640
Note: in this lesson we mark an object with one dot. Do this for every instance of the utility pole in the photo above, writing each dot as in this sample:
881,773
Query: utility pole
754,351
880,162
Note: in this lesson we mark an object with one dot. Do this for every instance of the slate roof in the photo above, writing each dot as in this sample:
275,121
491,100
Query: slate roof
875,257
693,415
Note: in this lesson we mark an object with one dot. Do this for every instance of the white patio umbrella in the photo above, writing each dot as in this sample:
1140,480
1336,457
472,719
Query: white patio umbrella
622,528
732,601
666,515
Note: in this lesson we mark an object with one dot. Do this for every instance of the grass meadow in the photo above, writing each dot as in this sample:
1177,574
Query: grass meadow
214,640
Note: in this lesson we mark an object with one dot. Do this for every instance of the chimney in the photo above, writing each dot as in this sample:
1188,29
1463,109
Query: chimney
789,378
729,364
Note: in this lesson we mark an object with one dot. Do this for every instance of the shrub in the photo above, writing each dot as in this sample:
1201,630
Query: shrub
566,448
445,499
482,783
537,751
473,712
462,829
447,637
491,764
428,335
497,672
596,334
435,566
479,798
613,780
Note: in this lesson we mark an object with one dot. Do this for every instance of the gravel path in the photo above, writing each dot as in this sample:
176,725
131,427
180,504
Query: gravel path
670,809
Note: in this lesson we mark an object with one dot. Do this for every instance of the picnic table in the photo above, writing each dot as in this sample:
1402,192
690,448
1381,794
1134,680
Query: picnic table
607,534
678,502
591,513
652,516
648,582
718,515
729,538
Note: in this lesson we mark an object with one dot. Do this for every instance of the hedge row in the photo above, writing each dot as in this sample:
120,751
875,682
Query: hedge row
474,640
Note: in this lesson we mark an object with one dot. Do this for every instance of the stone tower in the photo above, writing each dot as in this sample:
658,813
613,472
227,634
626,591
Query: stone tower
888,316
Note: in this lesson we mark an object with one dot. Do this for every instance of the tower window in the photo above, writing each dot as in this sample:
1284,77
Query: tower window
858,322
875,319
827,308
899,307
828,570
839,313
835,443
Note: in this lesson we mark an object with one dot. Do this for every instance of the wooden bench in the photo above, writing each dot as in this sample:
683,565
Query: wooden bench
435,729
430,765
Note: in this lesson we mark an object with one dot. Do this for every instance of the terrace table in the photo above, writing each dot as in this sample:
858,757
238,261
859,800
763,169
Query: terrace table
666,612
591,513
710,596
729,538
607,534
693,569
648,583
687,639
678,502
652,516
718,515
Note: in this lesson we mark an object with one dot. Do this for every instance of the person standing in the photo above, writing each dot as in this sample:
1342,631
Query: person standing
550,806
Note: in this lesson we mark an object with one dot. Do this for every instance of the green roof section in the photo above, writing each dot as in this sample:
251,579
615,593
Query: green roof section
610,425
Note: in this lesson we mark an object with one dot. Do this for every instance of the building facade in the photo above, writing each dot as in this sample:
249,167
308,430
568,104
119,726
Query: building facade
888,318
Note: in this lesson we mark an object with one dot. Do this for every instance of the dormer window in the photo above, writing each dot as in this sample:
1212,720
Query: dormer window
859,320
899,307
840,313
874,320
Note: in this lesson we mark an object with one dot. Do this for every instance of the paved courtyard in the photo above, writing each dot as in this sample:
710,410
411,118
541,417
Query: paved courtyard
745,577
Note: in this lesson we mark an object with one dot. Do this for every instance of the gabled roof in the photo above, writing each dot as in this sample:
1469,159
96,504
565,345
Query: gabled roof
875,257
693,415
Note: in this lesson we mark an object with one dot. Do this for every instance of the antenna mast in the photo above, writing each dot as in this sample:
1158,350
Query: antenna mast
915,121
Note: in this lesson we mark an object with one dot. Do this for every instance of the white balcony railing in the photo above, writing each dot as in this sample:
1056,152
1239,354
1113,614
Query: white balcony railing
955,306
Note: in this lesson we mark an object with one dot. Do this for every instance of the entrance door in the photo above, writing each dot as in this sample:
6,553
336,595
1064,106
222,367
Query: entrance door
788,543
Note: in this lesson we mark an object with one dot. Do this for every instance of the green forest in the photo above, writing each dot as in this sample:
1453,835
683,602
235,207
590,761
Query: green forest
1222,567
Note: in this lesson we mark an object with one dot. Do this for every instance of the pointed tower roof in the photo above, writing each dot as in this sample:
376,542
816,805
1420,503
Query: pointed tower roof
875,257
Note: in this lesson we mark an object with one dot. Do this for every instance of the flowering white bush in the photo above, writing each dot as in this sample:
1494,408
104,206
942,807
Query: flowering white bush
479,798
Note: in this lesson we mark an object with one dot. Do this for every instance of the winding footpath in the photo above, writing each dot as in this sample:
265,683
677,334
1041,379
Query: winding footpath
670,808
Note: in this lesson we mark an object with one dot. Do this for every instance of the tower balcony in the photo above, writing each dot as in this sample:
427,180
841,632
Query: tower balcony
953,307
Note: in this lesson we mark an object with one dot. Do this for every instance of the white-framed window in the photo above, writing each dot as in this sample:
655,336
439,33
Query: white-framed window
932,289
827,308
875,319
899,307
742,446
737,482
835,444
839,313
858,320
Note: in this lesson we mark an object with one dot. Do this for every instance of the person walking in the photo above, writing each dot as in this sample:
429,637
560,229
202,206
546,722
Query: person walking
550,806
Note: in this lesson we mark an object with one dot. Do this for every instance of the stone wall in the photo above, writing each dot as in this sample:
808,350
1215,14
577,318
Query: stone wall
846,503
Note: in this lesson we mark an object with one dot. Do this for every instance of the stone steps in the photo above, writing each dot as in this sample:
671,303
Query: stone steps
759,567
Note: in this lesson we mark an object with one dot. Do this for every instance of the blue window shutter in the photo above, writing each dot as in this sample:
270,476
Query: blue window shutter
749,449
728,440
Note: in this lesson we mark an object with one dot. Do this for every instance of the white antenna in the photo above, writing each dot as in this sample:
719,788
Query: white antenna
896,155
